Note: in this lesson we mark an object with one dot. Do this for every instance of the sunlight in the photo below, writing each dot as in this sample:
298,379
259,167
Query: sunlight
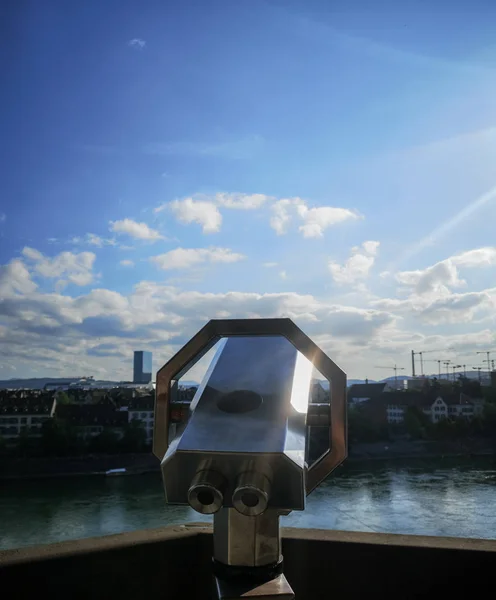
447,226
301,383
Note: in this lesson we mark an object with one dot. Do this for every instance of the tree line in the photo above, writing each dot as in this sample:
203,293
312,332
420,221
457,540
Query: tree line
59,438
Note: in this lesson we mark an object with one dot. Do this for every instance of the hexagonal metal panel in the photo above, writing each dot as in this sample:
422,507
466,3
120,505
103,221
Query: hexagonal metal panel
216,329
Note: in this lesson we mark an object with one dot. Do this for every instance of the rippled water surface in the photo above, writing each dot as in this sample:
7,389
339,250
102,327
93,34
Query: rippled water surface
448,500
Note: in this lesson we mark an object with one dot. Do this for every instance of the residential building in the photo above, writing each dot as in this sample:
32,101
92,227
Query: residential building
25,414
142,367
436,406
396,404
462,406
417,383
143,409
186,394
362,392
318,395
437,410
90,420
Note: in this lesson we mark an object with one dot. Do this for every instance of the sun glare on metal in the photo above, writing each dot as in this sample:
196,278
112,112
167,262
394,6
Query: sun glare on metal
301,383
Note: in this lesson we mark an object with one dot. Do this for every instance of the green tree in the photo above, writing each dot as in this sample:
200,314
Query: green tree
361,428
413,424
462,428
489,395
134,439
444,430
105,443
59,439
476,425
489,418
63,398
25,444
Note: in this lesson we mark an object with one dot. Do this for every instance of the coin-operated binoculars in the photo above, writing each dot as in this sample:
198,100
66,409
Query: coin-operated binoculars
240,448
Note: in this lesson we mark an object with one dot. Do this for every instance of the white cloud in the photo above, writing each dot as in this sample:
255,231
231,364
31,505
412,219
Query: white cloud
55,331
127,263
282,213
93,240
3,217
283,275
205,213
137,43
69,267
430,291
98,330
15,279
371,247
448,308
358,266
204,210
136,230
315,220
458,308
270,265
479,257
435,279
185,258
241,201
442,276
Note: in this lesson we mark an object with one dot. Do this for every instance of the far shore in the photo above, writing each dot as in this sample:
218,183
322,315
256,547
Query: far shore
12,469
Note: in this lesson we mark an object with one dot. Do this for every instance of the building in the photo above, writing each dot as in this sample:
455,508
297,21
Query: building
362,392
437,407
143,410
89,420
318,394
142,372
25,414
416,383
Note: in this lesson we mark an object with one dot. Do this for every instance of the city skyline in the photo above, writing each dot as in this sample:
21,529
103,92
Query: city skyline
281,159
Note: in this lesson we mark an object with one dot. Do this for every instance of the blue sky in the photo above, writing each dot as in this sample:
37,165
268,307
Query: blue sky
164,163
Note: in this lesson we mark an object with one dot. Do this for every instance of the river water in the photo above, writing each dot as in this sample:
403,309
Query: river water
427,499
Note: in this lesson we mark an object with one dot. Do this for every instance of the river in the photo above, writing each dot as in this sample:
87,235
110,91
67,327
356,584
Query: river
418,498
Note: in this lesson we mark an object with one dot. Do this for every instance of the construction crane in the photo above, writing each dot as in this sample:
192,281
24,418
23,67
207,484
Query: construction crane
421,354
479,369
439,367
455,367
446,363
464,367
488,361
428,360
395,369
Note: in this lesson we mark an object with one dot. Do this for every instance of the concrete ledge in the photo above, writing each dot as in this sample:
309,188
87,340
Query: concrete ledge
105,543
176,532
174,562
389,539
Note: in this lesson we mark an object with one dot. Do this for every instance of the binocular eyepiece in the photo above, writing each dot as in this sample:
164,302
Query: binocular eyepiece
206,493
250,496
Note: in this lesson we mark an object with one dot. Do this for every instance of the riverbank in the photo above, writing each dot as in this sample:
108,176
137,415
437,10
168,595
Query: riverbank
408,449
135,464
54,467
